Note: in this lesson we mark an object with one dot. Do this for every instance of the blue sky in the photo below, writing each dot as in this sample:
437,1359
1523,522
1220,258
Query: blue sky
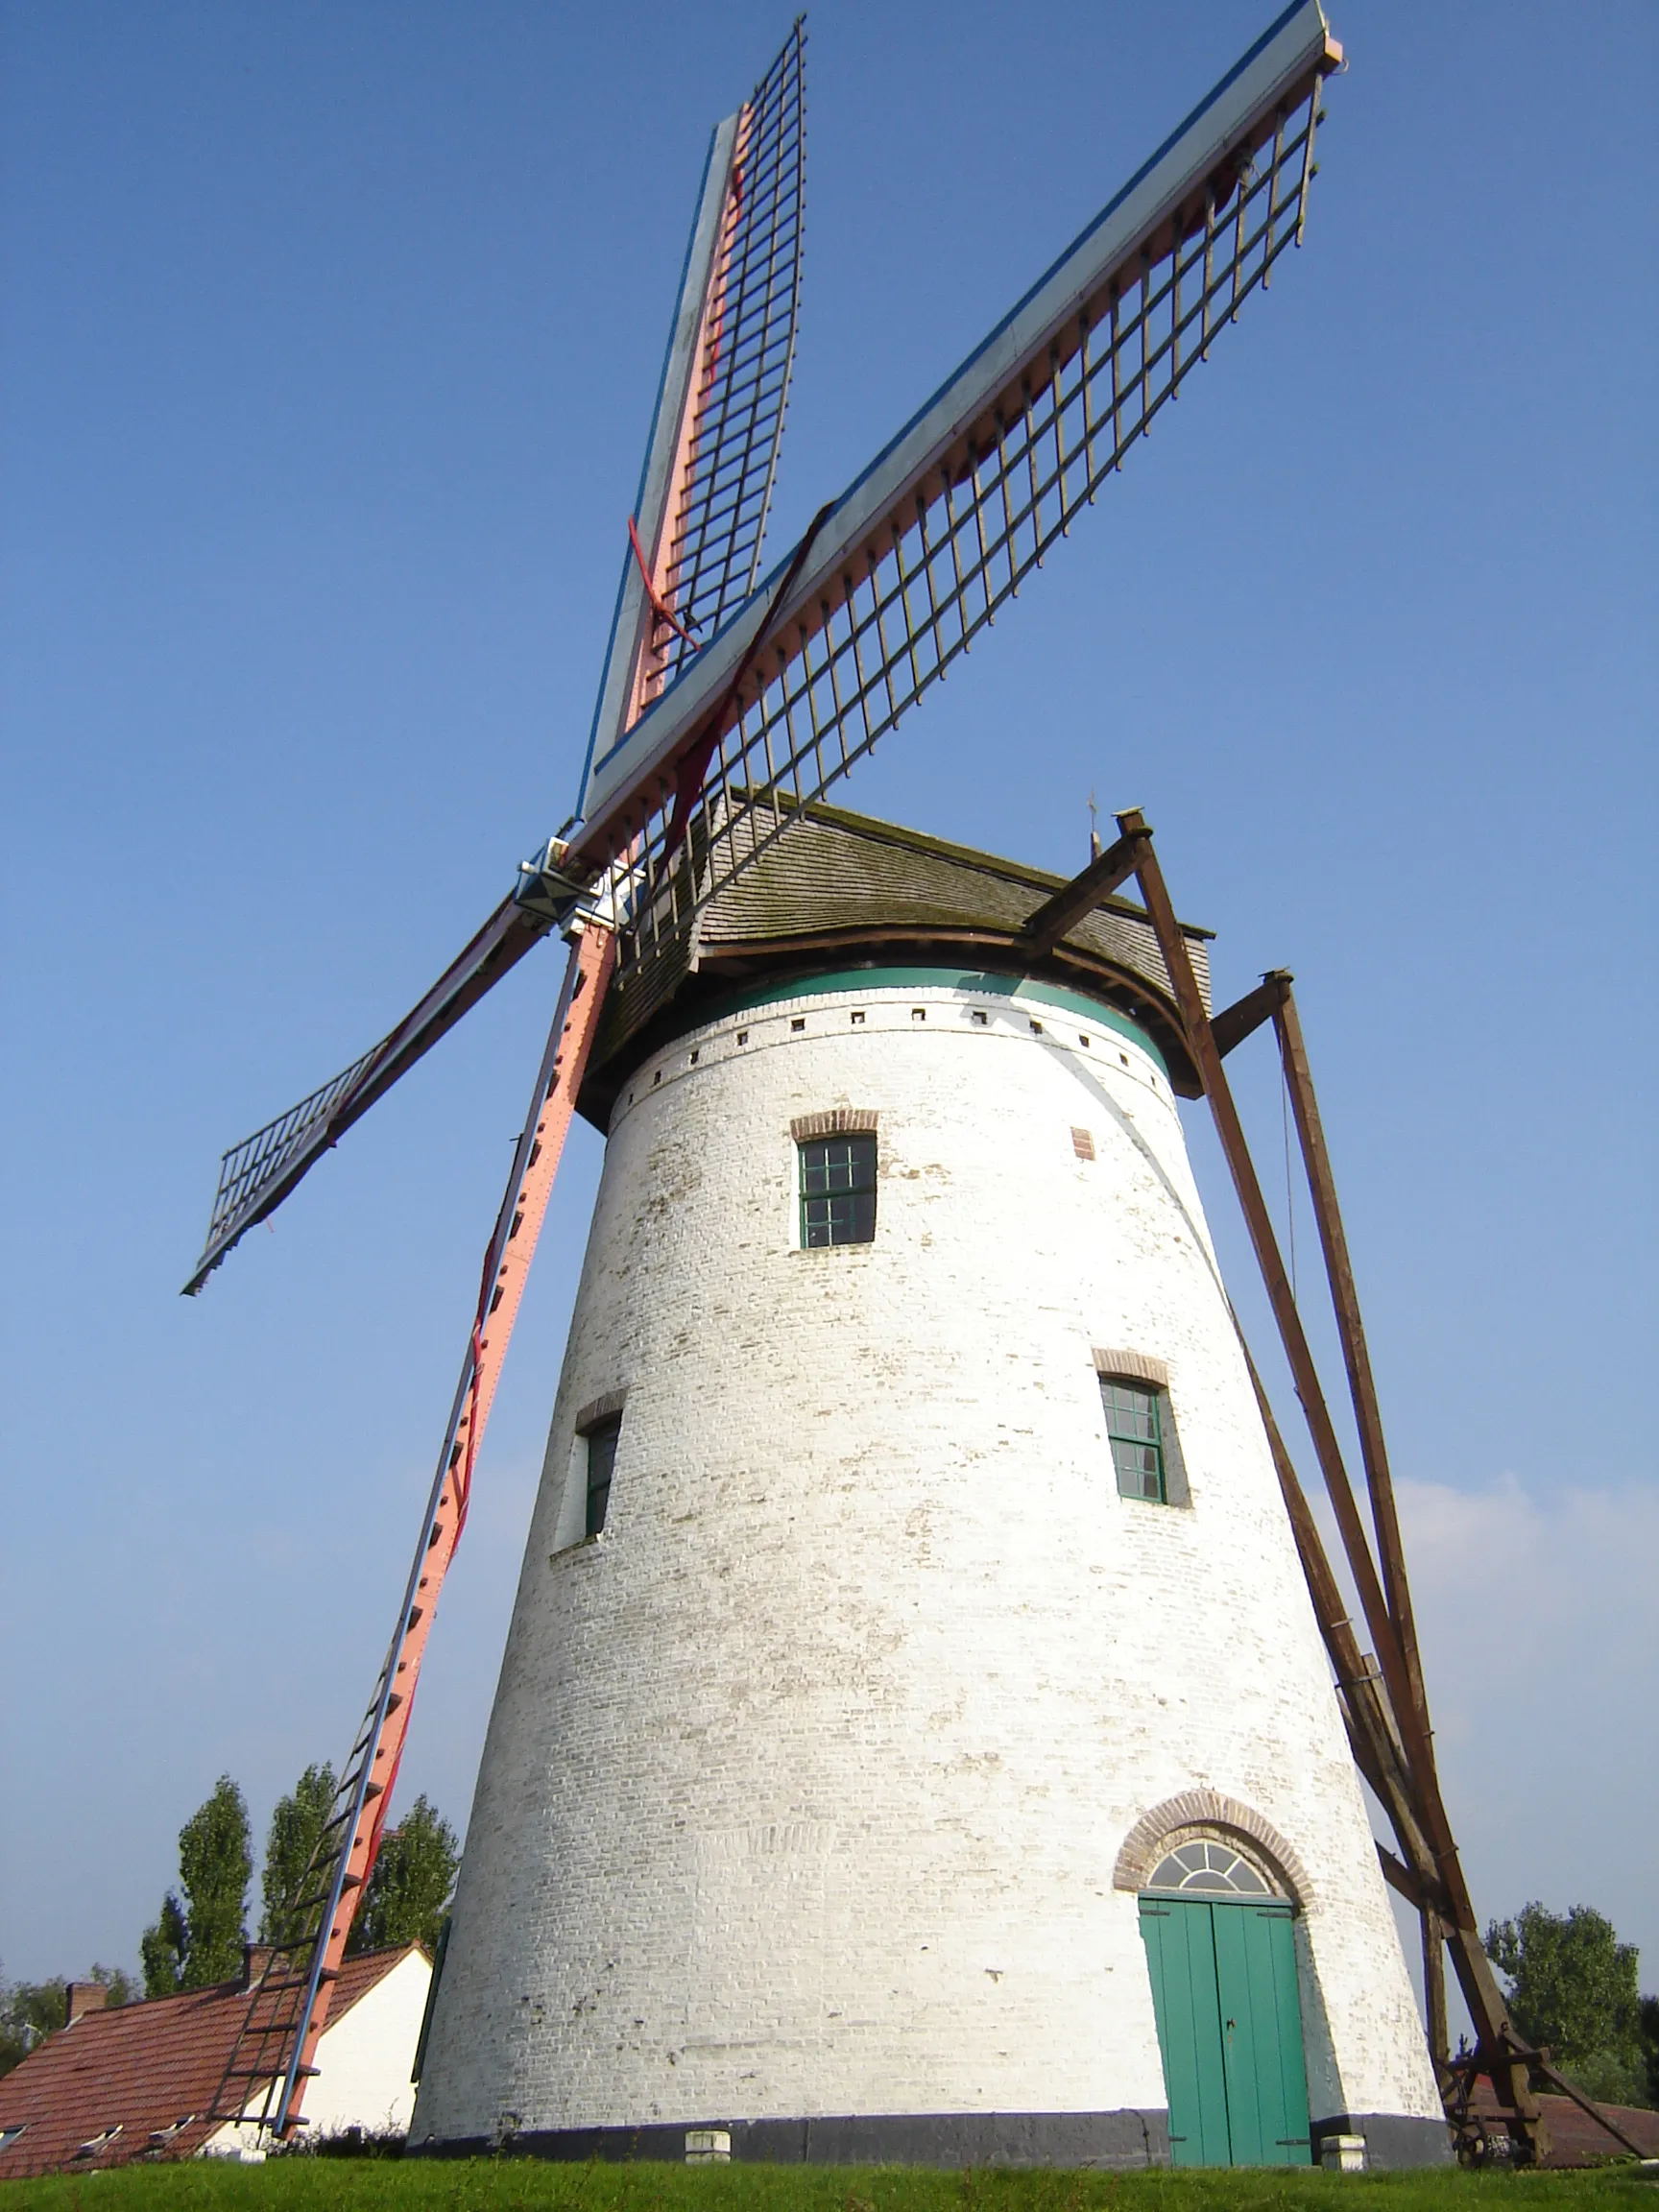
329,338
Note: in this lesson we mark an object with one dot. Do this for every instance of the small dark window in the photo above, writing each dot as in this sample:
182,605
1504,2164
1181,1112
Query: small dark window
1135,1414
838,1191
601,1456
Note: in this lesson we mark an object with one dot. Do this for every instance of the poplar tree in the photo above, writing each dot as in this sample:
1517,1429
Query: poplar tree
198,1939
411,1883
295,1828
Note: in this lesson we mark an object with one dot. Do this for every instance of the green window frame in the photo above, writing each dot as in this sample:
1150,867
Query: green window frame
1137,1417
600,1444
837,1184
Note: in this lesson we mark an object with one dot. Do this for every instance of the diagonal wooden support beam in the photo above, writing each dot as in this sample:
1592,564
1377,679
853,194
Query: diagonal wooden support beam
1363,1698
1351,1329
1400,1876
1044,929
1501,2053
1201,1043
1434,1994
1245,1016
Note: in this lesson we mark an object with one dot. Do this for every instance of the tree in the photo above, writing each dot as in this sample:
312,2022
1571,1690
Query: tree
199,1942
161,1950
411,1883
296,1825
32,2010
1572,1991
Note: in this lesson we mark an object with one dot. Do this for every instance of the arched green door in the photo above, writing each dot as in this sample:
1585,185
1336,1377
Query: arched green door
1228,2029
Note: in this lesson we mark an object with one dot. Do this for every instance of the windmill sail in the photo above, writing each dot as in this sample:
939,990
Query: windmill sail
705,493
713,701
894,579
256,1175
713,453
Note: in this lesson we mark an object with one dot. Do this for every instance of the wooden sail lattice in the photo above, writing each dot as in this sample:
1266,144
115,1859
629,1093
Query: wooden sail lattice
894,580
857,644
717,526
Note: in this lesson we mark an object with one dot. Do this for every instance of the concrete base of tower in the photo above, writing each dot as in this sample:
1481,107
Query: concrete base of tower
1109,2141
1117,2142
1393,2140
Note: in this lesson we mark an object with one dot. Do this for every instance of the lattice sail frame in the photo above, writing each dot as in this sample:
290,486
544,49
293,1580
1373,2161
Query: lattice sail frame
706,492
259,1160
711,453
257,1174
892,581
885,592
711,558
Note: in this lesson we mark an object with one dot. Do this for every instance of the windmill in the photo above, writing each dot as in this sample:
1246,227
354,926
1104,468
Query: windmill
730,703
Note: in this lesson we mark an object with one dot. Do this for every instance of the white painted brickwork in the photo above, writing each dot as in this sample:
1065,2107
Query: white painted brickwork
806,1780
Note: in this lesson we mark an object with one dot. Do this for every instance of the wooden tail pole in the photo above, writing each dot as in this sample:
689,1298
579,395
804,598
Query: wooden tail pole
1434,1992
1351,1327
1231,1131
1501,2049
1361,1697
1454,1928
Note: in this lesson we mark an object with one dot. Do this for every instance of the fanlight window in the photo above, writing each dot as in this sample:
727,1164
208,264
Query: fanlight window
1201,1865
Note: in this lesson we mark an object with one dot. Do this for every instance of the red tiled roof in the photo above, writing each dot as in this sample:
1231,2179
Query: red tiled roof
1575,2138
141,2068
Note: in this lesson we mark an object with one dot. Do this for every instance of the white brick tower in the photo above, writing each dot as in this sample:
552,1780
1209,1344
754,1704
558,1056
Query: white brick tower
914,1741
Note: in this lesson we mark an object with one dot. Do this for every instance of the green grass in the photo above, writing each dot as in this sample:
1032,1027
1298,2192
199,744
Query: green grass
507,2186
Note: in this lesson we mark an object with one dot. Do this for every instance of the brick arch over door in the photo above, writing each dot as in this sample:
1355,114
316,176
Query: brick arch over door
1202,1810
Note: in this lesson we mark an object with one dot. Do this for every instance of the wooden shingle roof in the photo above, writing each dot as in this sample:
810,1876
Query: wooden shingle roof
838,890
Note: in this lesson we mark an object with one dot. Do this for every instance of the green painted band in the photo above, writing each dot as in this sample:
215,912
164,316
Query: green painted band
988,986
